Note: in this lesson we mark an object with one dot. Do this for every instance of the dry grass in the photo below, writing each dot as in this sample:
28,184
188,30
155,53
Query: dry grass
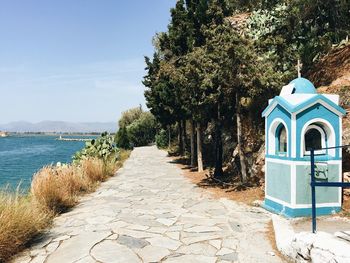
123,156
56,188
94,170
20,220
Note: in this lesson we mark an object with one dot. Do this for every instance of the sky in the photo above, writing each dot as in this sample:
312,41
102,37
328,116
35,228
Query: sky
75,60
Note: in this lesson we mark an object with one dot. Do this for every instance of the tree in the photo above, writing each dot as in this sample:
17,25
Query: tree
122,138
130,116
142,131
164,80
238,72
137,128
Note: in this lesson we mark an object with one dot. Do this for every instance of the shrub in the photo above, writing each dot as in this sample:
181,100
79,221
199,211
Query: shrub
143,130
130,116
122,139
54,188
102,148
93,169
20,219
162,139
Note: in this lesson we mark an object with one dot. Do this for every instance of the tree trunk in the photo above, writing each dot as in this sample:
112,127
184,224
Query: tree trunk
184,136
239,141
169,136
180,138
218,172
192,144
199,148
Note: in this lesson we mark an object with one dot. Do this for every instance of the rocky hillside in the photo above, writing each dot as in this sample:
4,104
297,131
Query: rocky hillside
332,75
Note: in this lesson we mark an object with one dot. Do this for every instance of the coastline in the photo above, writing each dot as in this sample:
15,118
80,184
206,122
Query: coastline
27,215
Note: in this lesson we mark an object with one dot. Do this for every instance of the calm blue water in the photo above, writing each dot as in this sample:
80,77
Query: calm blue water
22,156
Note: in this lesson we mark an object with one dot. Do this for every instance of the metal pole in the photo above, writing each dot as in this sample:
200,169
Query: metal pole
313,192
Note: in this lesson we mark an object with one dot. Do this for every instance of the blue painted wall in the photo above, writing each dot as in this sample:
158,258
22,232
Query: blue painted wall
278,181
280,112
317,111
323,194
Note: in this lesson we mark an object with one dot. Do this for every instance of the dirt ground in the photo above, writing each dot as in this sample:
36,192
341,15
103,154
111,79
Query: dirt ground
247,196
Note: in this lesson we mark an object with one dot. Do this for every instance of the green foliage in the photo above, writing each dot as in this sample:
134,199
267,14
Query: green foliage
130,116
137,128
162,139
122,139
103,148
204,69
142,131
288,30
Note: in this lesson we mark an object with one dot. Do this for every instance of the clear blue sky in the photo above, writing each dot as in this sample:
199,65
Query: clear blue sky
75,60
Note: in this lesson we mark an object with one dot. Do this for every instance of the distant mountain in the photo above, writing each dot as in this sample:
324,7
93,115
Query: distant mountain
59,126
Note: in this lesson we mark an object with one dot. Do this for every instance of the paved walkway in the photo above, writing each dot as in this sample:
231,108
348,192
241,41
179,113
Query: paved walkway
149,212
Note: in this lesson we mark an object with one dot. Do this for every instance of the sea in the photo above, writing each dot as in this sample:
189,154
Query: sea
21,156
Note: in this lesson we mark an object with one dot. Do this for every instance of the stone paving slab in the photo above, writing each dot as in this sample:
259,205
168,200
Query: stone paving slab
149,212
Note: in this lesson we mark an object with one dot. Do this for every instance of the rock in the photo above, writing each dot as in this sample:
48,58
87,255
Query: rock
302,244
203,229
198,249
153,254
136,234
224,251
235,226
109,251
76,247
232,257
191,240
166,221
173,235
132,242
164,242
157,230
215,243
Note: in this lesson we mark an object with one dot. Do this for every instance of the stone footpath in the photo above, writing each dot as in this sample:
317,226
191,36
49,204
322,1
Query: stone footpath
149,212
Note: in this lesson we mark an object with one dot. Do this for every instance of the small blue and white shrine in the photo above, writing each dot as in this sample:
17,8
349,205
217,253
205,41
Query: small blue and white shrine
297,120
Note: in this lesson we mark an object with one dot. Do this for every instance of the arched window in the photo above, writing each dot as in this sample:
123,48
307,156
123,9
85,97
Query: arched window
277,138
315,138
281,140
